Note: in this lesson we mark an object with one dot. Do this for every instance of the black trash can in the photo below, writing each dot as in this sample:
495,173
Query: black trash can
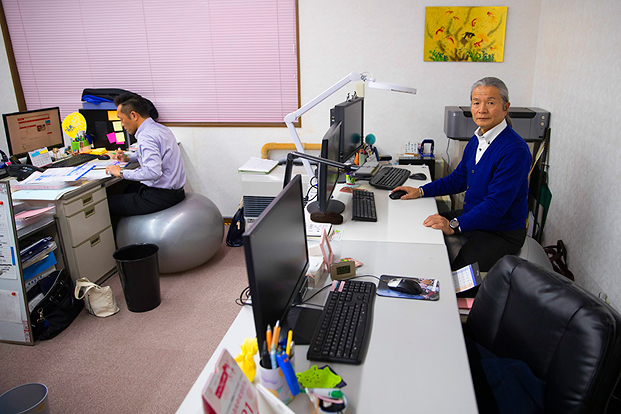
140,277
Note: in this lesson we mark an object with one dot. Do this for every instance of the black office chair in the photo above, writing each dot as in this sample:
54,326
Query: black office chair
569,338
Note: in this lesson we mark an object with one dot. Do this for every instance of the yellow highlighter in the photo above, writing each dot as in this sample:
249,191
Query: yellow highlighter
289,339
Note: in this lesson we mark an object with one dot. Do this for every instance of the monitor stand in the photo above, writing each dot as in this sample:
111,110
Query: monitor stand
334,206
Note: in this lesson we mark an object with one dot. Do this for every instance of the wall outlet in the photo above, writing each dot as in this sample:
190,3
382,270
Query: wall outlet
410,147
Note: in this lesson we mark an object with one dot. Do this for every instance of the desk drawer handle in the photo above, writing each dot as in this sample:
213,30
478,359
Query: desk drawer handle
87,200
89,213
95,241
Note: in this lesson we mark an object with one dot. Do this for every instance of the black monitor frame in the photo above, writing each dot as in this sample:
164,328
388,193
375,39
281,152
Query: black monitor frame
277,261
60,138
98,126
351,116
328,175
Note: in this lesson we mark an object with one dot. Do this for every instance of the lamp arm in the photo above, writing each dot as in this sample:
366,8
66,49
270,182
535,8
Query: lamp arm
295,154
295,115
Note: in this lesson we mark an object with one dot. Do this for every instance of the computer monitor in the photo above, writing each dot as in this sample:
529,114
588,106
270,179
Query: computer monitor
351,115
99,125
277,262
30,130
327,175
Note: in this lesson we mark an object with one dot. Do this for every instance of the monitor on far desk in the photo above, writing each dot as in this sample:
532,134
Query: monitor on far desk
31,130
327,175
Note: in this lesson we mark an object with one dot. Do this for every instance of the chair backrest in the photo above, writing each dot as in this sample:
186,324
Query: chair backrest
567,336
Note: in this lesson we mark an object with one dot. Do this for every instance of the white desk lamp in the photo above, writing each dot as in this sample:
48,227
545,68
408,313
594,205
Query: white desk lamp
365,77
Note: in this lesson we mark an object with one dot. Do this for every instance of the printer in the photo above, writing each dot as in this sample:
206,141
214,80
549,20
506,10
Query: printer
529,123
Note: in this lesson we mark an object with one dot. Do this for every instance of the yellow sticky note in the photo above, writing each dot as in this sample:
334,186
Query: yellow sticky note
117,126
120,138
112,116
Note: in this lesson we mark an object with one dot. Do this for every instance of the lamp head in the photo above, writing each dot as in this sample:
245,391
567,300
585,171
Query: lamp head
390,87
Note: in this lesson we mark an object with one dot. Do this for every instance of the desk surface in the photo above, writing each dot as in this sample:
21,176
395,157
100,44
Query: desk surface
416,356
397,220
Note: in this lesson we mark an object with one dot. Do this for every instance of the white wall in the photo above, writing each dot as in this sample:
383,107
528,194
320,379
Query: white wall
577,80
386,39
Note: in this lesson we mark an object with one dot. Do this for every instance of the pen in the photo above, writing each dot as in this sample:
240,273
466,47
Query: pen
289,339
268,336
265,357
275,335
325,392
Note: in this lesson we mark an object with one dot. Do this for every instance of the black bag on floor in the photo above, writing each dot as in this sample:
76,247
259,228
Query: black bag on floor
558,257
236,230
58,307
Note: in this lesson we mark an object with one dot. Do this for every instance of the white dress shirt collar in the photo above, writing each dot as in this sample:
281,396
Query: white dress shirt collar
485,140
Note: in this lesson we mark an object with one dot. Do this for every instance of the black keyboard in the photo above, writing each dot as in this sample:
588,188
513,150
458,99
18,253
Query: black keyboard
344,328
389,177
73,161
363,206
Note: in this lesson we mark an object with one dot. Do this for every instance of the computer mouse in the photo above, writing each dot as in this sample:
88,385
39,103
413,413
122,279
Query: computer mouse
405,285
103,157
396,195
418,176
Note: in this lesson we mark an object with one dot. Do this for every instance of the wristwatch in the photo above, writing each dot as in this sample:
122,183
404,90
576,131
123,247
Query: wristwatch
454,224
121,174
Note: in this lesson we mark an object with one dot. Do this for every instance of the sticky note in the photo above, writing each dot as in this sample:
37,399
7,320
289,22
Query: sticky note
112,116
120,138
111,137
117,126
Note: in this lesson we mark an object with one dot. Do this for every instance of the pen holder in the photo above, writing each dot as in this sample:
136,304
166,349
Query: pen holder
274,380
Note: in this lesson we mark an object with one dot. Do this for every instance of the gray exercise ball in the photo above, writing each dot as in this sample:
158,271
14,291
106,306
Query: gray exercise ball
187,234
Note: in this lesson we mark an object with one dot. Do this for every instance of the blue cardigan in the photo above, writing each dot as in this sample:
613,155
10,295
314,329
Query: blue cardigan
496,188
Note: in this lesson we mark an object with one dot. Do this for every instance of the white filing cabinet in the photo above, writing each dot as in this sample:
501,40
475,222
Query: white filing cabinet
87,234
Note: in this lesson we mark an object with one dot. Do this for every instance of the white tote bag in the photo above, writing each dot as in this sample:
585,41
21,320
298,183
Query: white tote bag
98,300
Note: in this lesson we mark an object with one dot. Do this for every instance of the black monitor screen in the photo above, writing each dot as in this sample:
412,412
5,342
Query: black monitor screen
99,126
32,130
351,115
277,258
327,175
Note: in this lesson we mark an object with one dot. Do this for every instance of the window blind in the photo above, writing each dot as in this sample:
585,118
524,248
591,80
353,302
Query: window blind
199,61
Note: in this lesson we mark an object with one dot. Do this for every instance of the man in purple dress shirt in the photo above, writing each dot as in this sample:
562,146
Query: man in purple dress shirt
158,183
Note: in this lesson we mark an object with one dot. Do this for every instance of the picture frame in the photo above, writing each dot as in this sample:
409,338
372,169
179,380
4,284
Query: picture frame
326,251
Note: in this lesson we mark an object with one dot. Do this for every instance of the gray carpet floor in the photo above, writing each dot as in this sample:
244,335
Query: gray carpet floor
135,362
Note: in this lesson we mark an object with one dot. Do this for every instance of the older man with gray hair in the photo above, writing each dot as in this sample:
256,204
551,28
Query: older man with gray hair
494,174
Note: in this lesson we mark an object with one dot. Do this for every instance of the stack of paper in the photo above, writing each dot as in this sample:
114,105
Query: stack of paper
314,229
259,165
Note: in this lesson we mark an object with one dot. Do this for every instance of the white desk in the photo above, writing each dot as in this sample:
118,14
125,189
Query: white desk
398,220
416,361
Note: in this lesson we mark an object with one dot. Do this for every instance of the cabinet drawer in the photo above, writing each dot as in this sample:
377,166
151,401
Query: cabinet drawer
88,222
94,256
83,201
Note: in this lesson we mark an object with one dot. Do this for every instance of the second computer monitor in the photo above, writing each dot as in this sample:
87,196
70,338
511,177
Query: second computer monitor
327,175
351,116
277,259
31,130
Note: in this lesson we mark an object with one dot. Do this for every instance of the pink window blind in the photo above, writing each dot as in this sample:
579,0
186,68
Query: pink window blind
227,61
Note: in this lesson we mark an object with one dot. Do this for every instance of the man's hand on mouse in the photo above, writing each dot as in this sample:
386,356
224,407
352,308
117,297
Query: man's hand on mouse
113,170
412,193
436,221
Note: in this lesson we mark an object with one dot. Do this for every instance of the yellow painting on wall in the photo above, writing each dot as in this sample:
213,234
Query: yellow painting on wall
465,34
